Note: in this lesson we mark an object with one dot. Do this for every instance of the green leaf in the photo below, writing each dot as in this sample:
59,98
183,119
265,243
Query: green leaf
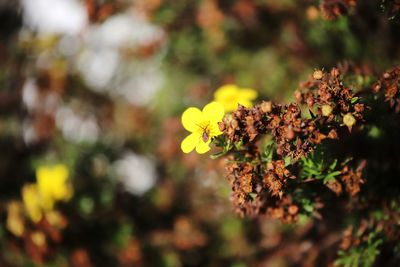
217,155
227,146
287,161
267,154
333,165
308,207
354,99
331,176
363,255
239,144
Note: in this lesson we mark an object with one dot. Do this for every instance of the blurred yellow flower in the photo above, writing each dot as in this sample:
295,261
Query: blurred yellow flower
32,199
230,96
15,222
53,184
203,126
56,219
38,238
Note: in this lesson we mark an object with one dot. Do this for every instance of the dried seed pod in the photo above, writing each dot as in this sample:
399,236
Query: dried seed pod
266,106
326,110
318,74
349,120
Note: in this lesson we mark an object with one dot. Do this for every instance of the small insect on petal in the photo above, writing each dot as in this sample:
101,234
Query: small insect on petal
204,137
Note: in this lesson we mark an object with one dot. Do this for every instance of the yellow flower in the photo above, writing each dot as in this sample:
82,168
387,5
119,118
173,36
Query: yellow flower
31,198
15,222
52,182
52,186
230,96
203,126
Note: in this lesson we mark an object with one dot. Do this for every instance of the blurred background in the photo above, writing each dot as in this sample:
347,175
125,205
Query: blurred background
97,88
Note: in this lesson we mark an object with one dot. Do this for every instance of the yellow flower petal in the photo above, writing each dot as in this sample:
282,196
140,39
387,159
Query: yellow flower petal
52,182
31,199
190,142
51,178
202,147
191,118
15,220
213,112
247,94
230,106
228,91
245,103
214,130
61,171
230,96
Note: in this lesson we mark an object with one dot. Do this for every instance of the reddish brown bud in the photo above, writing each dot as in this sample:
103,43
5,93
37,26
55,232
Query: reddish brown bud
359,108
333,134
310,101
290,134
335,186
335,72
386,75
221,126
376,87
298,96
293,209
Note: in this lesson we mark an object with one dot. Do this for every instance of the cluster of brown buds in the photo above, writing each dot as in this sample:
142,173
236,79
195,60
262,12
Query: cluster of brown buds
325,94
353,178
275,177
244,186
245,124
244,182
389,84
295,136
332,9
250,195
284,210
260,186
